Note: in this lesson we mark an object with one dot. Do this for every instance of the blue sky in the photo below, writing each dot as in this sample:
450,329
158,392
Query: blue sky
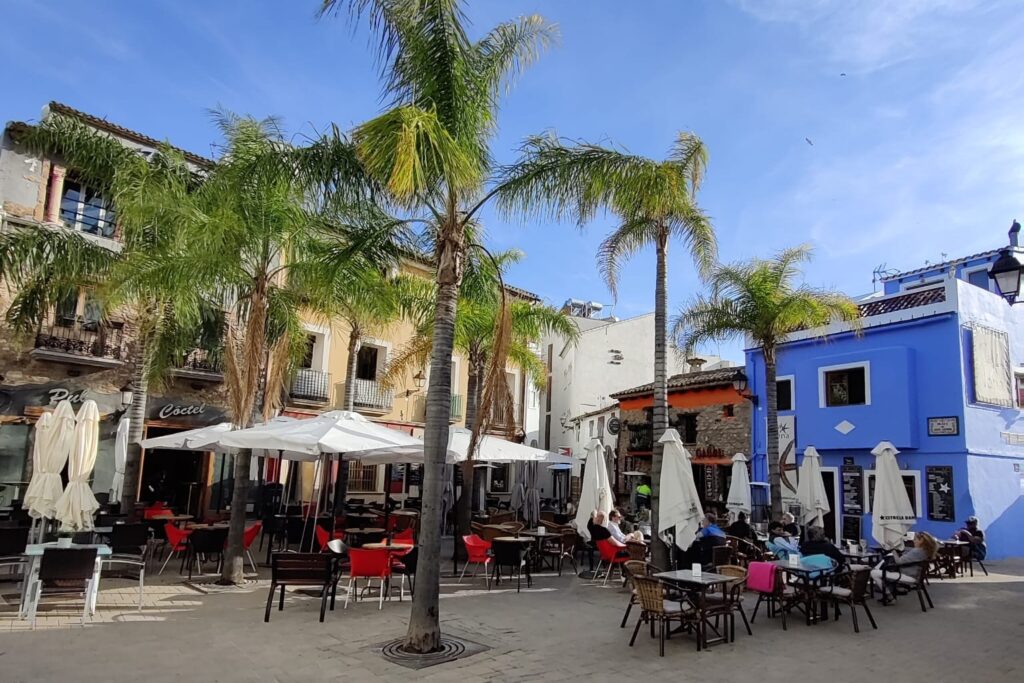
915,110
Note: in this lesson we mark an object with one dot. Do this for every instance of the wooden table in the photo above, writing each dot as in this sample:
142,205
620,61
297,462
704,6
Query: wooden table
699,585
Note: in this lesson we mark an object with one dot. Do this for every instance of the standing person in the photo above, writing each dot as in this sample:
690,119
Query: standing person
643,495
975,536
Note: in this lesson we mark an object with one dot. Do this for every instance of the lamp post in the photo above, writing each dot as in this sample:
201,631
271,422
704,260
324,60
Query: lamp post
739,383
1006,271
127,396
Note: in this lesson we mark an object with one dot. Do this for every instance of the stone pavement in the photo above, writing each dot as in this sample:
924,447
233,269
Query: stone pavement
563,629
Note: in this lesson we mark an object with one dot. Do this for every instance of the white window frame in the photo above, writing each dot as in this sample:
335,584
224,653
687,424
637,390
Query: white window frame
822,403
977,269
869,499
1018,374
322,347
382,361
792,389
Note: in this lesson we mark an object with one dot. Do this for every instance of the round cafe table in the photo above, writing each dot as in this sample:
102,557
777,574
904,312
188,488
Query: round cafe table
389,546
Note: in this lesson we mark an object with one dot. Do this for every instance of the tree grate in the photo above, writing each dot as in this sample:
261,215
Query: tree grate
451,649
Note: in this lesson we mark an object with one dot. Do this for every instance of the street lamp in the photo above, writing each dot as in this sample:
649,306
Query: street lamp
740,383
127,395
1006,271
419,379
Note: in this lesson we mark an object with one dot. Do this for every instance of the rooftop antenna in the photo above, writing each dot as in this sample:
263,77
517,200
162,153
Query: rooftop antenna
880,273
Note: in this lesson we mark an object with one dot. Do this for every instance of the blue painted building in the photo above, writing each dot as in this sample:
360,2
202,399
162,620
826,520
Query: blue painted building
938,370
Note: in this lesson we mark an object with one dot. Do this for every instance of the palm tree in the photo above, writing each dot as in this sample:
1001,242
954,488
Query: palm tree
652,201
430,152
761,300
47,265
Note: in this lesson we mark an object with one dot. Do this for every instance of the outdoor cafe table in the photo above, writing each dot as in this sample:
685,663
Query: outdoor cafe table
527,539
34,552
809,577
392,546
538,540
686,580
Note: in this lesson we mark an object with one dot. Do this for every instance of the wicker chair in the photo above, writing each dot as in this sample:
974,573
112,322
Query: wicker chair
656,609
854,593
634,568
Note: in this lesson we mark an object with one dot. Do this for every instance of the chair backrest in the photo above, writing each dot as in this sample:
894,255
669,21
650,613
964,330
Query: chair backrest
68,564
322,536
637,550
13,540
175,536
860,583
369,563
405,536
513,526
507,553
607,550
732,570
476,548
548,516
636,568
155,510
490,532
761,577
721,555
129,538
251,534
301,567
337,546
208,540
650,593
502,517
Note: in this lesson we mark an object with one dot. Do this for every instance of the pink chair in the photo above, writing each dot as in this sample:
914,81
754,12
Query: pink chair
765,579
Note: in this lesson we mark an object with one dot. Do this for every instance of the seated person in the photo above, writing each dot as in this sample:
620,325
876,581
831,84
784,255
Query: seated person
790,526
925,548
708,538
599,531
614,519
778,537
975,536
817,544
741,529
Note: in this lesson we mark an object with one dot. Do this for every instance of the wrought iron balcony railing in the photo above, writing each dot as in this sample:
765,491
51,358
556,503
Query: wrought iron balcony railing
311,385
641,437
370,395
75,337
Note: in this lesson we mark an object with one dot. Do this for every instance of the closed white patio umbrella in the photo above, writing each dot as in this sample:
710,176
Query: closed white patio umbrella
595,491
810,490
892,514
679,508
77,505
120,458
739,488
54,437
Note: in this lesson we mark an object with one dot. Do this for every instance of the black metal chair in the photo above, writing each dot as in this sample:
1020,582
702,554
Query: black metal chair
405,566
303,569
12,549
63,571
129,545
855,592
912,576
514,556
204,543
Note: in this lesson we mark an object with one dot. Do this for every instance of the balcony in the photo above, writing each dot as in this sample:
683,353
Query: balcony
640,438
199,365
456,410
81,342
370,396
419,410
311,386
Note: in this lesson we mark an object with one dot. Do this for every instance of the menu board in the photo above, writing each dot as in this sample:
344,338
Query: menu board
851,528
940,493
853,489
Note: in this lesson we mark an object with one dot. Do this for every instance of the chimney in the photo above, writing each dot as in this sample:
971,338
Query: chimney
695,363
1014,232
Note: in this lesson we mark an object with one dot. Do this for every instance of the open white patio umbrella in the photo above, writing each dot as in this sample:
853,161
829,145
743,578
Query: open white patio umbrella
595,491
679,508
810,490
892,514
77,505
120,459
489,449
739,488
55,435
192,439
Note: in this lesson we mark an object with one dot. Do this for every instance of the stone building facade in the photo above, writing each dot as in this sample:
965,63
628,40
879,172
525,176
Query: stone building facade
711,416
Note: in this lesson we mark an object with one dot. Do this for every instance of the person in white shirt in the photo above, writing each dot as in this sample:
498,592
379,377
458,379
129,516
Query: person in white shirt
613,528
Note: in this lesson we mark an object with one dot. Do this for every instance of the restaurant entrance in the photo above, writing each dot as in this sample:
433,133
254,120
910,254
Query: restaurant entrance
174,477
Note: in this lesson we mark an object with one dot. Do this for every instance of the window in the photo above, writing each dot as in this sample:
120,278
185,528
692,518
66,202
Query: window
362,478
307,359
729,410
784,393
366,362
1018,379
911,482
686,423
66,313
83,208
979,278
499,478
590,427
844,385
600,427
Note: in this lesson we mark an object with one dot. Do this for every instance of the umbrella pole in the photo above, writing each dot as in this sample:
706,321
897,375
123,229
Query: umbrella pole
387,500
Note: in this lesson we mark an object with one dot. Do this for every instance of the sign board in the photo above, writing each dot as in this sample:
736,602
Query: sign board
941,503
174,409
787,456
614,426
853,489
851,528
564,450
944,426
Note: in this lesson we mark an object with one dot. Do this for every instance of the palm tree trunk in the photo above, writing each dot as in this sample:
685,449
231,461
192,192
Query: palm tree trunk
659,551
464,509
136,427
424,633
234,559
772,446
350,375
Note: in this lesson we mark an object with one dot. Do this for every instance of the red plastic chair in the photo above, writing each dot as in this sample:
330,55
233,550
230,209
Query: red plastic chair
368,564
323,536
177,541
405,536
609,553
477,552
157,509
248,538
